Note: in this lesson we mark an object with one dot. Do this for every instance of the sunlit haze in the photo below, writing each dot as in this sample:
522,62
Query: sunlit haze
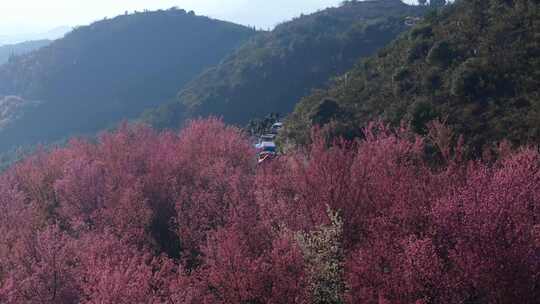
24,16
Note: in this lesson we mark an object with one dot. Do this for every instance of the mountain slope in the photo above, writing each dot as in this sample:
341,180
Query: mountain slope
475,64
111,70
274,70
7,51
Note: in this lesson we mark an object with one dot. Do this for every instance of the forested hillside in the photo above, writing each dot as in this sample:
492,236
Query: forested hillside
7,51
110,70
274,70
475,64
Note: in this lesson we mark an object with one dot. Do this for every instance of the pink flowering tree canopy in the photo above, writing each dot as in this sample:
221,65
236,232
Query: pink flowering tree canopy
139,216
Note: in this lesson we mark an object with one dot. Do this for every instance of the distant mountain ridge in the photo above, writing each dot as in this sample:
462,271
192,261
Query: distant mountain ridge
10,50
275,69
55,33
110,70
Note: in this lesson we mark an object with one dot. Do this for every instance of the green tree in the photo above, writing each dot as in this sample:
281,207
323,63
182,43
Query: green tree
324,257
440,54
437,3
327,110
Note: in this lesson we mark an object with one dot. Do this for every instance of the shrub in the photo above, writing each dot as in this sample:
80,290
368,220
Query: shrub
440,54
418,50
422,113
421,31
467,79
401,74
327,110
432,80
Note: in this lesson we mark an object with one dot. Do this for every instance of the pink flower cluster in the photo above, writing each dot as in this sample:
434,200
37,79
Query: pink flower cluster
146,217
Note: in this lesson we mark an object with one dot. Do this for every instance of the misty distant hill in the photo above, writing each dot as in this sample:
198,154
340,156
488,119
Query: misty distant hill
55,33
7,51
110,70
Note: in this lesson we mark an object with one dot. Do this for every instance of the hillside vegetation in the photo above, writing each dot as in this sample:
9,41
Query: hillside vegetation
110,70
274,70
474,64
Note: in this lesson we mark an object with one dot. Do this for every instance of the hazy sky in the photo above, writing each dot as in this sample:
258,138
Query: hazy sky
22,16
